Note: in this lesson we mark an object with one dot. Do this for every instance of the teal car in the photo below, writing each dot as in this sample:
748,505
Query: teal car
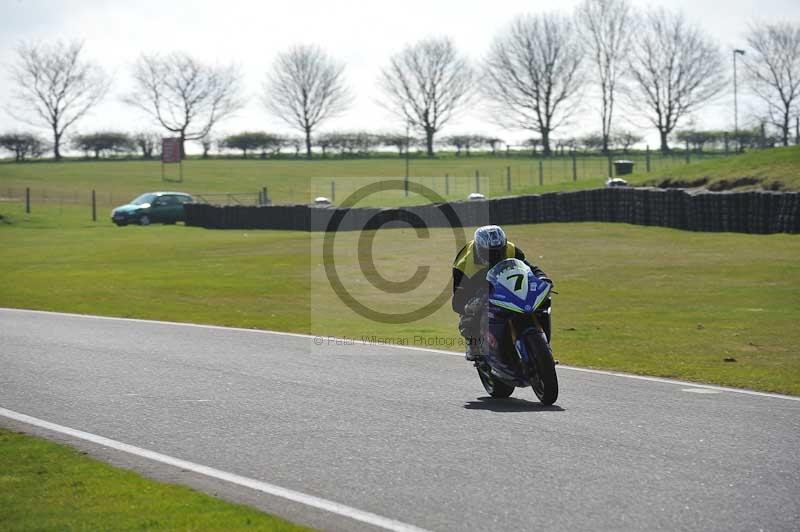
153,207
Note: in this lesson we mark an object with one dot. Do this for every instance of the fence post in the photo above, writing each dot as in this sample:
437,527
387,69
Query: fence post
477,181
508,178
28,200
333,190
94,206
610,168
541,172
446,185
687,152
574,166
264,195
647,158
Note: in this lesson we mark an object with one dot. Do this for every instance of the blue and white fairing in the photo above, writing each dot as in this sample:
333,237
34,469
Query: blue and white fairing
515,287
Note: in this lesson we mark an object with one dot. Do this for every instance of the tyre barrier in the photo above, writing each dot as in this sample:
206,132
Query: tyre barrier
757,212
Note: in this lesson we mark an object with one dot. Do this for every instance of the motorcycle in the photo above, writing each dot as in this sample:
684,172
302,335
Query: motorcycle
515,347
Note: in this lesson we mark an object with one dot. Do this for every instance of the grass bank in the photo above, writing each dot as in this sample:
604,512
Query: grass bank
777,168
45,486
646,300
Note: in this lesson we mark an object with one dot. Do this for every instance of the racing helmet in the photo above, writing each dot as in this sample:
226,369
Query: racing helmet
490,244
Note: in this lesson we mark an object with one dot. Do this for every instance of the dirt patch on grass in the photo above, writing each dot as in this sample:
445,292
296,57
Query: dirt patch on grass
730,184
721,185
680,183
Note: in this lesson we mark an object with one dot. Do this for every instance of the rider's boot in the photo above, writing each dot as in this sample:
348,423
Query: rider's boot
473,350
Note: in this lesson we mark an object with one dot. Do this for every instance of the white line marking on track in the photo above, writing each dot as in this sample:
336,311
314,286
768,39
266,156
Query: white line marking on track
699,390
411,348
265,487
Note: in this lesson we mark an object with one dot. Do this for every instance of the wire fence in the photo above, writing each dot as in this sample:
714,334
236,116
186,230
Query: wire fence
449,181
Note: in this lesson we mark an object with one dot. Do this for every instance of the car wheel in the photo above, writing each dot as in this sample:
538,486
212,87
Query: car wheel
120,224
144,220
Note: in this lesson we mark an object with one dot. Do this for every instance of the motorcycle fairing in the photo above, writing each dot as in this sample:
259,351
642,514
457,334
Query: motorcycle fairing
515,287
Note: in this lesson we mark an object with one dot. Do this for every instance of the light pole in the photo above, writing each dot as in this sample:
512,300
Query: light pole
408,143
736,52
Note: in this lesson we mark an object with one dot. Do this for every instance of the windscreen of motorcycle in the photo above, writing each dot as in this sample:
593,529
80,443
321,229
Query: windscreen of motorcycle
514,287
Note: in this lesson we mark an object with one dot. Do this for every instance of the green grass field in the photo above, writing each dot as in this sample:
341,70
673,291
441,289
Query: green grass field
44,486
299,181
642,299
709,307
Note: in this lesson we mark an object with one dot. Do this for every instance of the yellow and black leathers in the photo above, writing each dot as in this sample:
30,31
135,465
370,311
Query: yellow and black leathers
469,276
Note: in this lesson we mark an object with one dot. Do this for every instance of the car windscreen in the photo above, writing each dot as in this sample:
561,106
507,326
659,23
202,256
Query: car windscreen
144,198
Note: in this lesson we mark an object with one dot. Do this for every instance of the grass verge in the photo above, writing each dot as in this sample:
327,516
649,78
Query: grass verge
646,300
45,486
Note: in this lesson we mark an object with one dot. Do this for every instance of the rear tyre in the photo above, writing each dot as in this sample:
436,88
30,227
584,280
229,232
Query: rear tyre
144,220
494,387
543,379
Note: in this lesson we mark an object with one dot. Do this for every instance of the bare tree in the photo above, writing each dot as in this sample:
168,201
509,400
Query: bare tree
147,142
533,74
426,84
532,143
606,30
594,141
774,71
206,142
100,142
22,144
305,88
55,87
183,95
296,143
398,140
626,139
493,142
675,70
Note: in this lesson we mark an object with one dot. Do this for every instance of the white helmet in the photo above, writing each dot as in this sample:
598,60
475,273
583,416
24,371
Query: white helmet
490,244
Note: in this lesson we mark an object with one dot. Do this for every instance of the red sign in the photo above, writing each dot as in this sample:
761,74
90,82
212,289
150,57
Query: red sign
171,150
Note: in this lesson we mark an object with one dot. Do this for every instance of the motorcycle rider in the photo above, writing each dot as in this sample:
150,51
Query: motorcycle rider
470,291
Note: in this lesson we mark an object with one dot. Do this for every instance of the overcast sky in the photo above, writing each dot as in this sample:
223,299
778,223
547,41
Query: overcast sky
362,34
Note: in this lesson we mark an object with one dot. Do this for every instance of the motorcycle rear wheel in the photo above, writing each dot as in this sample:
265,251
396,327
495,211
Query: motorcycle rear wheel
494,387
543,379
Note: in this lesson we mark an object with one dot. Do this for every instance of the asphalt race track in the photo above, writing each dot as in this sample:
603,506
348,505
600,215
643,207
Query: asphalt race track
404,435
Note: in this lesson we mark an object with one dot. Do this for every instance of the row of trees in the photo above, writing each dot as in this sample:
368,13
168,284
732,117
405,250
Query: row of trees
360,143
532,77
755,137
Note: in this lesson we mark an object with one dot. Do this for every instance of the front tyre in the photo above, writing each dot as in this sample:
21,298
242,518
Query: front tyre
494,387
543,373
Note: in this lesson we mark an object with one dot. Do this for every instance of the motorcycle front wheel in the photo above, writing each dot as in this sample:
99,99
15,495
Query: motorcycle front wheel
543,375
494,387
